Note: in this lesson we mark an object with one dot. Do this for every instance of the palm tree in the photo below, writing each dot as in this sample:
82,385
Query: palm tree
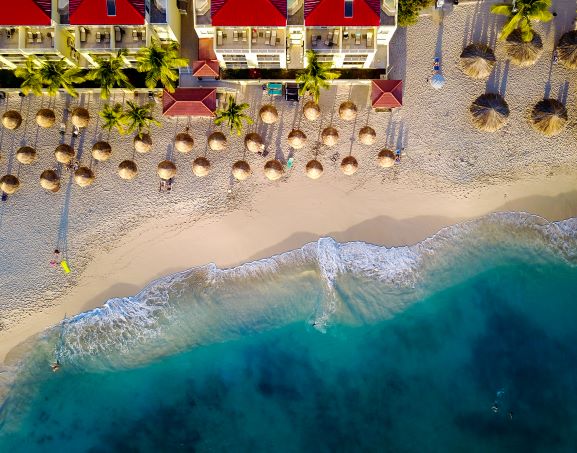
315,76
32,83
109,72
520,14
112,115
160,63
56,74
138,118
233,115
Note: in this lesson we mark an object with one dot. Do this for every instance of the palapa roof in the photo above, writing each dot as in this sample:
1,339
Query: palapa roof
95,12
332,13
386,93
238,13
477,60
27,12
567,49
523,53
189,102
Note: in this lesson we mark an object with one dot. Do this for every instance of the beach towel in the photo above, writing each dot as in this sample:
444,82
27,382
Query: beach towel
289,163
65,267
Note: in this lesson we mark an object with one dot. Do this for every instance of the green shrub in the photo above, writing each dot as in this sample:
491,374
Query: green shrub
409,11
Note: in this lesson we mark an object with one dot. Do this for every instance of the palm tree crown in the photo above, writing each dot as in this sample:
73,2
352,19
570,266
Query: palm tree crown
233,115
520,15
161,63
51,74
30,75
109,73
112,116
315,76
138,118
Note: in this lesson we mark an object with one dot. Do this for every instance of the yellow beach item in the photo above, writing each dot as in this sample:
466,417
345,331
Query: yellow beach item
64,265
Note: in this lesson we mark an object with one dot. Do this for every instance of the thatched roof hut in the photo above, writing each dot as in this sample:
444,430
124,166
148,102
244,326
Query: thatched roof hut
50,181
268,114
330,136
489,112
80,117
84,176
477,61
9,184
26,155
101,151
166,169
367,135
254,143
386,158
349,165
314,169
297,139
348,111
217,141
549,117
567,49
312,111
143,143
201,166
45,118
127,169
11,119
273,169
183,142
64,153
523,53
241,170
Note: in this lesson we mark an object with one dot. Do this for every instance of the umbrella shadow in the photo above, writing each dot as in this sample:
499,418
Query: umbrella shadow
563,93
63,227
497,81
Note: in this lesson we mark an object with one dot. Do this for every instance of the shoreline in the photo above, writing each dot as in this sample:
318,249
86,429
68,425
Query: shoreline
158,248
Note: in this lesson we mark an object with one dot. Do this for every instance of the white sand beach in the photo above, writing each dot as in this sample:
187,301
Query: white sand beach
119,235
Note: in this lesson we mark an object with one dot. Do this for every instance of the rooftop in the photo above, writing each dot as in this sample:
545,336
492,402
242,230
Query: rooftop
337,12
28,12
189,102
233,13
106,12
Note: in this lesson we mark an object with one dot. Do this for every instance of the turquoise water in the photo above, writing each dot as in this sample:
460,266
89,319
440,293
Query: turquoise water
465,342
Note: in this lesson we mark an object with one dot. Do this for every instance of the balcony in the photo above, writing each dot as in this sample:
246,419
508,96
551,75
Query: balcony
9,38
129,37
113,37
94,38
232,40
359,40
202,12
268,40
39,38
324,40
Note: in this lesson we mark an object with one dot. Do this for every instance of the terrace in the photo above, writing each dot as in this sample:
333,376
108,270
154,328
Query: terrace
39,38
232,39
9,38
358,40
324,39
268,40
111,37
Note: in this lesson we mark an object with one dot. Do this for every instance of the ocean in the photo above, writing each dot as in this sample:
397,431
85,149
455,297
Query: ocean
465,342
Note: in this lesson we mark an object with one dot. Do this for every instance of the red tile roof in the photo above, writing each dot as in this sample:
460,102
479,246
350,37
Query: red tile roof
206,49
243,13
94,12
27,12
332,13
205,68
387,93
189,102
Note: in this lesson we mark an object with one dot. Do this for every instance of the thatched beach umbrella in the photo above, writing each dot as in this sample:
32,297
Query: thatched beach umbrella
297,139
80,117
241,170
143,143
101,151
367,135
273,169
567,49
84,176
386,158
314,169
64,153
254,143
549,117
217,141
49,180
201,166
348,111
477,61
45,118
127,169
523,53
26,155
489,112
311,110
349,165
183,142
11,119
268,114
9,184
330,136
166,169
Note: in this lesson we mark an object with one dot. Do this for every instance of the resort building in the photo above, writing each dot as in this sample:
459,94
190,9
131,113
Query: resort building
277,33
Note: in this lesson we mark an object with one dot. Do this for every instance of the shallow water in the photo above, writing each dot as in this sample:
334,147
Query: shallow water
334,347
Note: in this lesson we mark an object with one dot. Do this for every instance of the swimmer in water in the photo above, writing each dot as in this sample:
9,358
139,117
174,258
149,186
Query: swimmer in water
510,415
495,407
55,366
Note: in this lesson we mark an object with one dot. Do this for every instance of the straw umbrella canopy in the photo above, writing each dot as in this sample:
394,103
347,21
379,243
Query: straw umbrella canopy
349,165
11,119
26,155
330,136
273,169
477,61
241,170
80,117
183,142
523,53
217,141
489,112
312,111
549,117
254,143
314,169
297,139
386,158
84,176
101,151
348,111
49,180
45,118
143,143
567,49
166,169
201,166
268,114
9,184
127,169
367,135
64,153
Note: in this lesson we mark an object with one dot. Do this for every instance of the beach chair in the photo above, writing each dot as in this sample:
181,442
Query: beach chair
437,64
313,41
39,37
336,34
358,39
267,38
98,36
134,35
369,40
107,36
219,38
30,37
273,38
244,36
82,34
253,36
117,34
329,39
51,36
235,36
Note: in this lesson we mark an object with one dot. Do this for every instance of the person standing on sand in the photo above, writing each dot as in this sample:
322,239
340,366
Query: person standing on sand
55,258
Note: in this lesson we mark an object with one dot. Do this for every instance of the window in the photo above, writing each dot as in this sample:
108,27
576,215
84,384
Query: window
348,8
111,7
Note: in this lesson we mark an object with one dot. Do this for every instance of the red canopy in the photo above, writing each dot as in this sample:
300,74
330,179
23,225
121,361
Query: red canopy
189,102
27,12
95,12
243,13
332,13
387,93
